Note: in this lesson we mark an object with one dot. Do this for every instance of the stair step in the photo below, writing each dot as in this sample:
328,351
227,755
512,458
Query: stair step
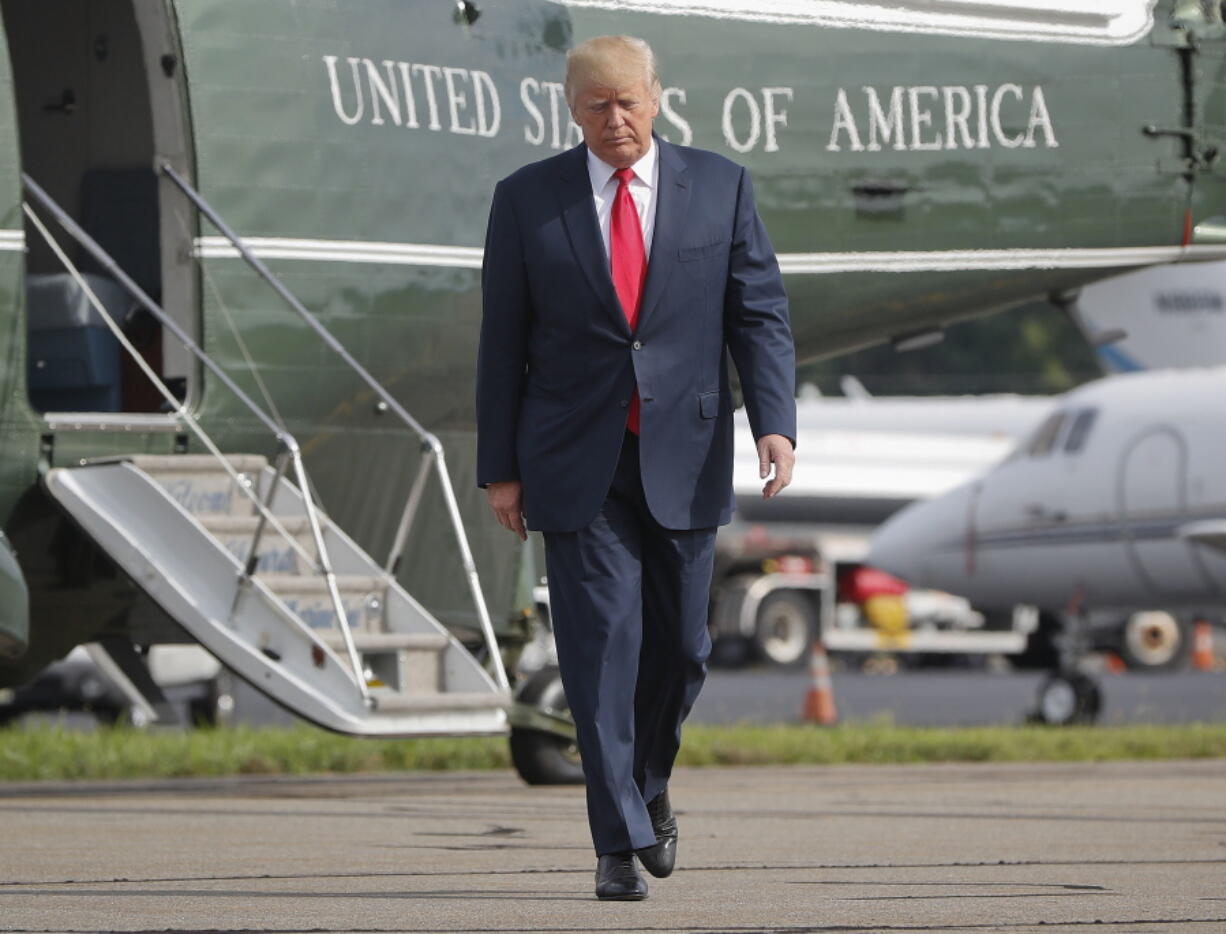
200,483
277,556
423,682
391,641
391,702
362,597
245,525
407,663
316,583
197,463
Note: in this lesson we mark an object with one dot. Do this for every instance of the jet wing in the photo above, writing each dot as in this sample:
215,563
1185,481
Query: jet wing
1208,532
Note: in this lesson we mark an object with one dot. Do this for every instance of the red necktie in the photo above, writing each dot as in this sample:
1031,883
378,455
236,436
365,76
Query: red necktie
628,264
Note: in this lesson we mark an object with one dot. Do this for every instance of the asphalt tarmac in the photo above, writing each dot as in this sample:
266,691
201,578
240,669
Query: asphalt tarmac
920,698
955,698
1115,847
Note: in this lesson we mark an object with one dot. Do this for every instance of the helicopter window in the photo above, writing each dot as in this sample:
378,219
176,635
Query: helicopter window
1044,439
1079,430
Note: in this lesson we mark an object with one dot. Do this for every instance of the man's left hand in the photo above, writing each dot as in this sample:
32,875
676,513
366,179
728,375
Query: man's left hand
777,450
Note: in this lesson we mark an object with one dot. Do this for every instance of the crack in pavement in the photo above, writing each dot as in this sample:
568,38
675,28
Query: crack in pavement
746,867
288,812
894,898
993,885
1052,926
435,814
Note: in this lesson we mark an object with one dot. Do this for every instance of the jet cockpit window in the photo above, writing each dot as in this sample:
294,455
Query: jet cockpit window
1083,421
1044,440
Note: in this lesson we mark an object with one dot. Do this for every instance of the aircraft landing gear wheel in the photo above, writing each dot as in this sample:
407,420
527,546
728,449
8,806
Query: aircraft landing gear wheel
1041,651
543,758
1067,698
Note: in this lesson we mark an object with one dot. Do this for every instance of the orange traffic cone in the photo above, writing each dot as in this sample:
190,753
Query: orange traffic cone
819,701
1203,658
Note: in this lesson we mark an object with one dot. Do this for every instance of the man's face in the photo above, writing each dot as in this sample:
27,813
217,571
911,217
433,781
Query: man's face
616,121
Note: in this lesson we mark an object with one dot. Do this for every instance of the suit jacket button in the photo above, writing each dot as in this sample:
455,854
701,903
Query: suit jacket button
637,345
624,403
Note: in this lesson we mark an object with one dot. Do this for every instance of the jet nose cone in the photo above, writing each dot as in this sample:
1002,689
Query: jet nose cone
922,543
892,547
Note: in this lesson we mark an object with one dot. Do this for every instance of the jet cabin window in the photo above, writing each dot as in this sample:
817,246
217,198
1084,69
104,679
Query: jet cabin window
1044,439
1083,421
1047,436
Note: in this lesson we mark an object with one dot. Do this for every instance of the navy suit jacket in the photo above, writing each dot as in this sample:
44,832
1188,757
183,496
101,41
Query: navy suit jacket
558,362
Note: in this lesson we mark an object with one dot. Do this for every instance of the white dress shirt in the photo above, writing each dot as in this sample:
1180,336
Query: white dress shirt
643,188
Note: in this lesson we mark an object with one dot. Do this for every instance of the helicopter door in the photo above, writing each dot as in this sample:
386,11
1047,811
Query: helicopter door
81,83
12,242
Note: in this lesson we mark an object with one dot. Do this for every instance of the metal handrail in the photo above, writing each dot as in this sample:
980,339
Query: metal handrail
288,444
433,448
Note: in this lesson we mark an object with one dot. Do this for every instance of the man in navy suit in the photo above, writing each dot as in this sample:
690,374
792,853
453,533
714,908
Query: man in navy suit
618,278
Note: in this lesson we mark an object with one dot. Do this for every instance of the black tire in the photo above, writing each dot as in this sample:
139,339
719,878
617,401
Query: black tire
1041,652
1067,699
1155,641
731,652
111,716
543,758
785,629
202,711
212,704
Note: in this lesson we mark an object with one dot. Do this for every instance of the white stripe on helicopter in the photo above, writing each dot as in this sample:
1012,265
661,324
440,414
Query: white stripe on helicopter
1089,22
423,254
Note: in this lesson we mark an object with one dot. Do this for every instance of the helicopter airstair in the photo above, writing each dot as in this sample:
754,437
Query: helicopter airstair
235,549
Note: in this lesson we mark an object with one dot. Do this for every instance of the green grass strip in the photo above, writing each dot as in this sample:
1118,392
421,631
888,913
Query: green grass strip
50,753
884,744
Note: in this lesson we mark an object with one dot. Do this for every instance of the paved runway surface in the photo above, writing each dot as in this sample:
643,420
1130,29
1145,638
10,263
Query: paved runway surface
955,698
924,698
1119,847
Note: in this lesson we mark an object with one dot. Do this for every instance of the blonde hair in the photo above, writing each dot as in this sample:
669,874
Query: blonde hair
602,59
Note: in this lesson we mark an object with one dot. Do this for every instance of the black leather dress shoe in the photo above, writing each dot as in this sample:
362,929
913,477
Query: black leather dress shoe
618,879
660,859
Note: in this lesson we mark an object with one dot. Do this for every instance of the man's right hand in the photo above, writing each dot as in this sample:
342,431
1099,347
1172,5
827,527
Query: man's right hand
506,498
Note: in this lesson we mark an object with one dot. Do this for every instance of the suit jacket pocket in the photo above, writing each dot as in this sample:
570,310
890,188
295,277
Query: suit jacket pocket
687,254
708,404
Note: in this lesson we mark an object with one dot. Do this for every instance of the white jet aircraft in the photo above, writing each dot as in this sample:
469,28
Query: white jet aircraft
866,457
1116,503
1165,317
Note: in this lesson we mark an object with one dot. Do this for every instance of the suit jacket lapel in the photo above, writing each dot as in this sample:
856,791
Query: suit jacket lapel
673,200
579,216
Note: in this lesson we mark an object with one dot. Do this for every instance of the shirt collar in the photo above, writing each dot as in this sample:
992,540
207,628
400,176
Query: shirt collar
644,170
